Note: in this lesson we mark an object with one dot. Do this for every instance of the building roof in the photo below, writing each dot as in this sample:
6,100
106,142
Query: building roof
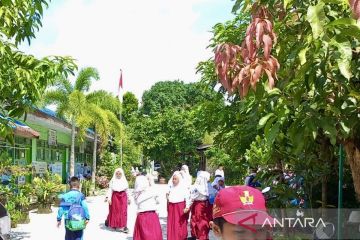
20,128
54,115
203,147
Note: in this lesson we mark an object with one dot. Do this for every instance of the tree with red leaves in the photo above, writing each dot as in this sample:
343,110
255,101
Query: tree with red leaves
313,106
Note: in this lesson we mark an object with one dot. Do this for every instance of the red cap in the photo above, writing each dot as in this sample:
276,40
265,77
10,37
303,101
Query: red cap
241,205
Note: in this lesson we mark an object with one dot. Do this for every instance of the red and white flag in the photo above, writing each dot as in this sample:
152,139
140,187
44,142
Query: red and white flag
120,87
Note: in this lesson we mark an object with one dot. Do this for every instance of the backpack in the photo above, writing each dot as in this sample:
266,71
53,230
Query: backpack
253,183
76,216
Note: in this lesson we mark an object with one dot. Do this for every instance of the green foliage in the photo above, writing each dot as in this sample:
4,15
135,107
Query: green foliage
173,94
167,137
23,78
163,95
15,197
107,165
130,107
73,106
20,19
86,187
313,107
46,190
169,127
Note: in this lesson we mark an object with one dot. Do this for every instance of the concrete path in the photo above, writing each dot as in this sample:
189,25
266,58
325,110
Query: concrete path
43,226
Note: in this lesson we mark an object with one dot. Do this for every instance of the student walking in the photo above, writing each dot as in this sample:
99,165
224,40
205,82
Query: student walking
218,183
73,204
201,209
118,200
177,220
186,176
147,225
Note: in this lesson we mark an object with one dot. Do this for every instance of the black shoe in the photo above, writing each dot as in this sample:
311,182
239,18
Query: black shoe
124,230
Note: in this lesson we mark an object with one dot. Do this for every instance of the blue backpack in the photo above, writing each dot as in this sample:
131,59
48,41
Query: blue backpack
76,216
253,183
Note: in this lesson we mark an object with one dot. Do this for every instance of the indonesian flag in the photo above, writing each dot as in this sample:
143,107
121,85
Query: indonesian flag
120,88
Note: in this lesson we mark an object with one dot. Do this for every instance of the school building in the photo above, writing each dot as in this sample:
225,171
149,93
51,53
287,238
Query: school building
44,140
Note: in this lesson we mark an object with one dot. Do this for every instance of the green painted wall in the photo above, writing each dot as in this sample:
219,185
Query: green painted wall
62,138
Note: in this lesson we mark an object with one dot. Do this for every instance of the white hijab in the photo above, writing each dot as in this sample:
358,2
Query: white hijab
142,183
201,184
186,175
185,168
179,192
118,184
215,183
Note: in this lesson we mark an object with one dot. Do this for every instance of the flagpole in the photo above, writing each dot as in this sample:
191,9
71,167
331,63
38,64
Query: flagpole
121,139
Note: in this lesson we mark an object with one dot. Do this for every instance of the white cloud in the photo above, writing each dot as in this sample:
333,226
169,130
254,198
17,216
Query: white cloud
150,40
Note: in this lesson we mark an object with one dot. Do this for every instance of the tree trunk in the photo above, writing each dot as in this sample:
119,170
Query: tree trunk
353,157
93,174
324,191
324,202
72,151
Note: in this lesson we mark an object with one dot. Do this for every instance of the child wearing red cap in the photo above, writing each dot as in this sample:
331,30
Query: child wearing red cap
240,213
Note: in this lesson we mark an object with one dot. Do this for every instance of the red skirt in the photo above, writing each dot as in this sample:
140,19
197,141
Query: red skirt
201,215
117,217
147,226
177,221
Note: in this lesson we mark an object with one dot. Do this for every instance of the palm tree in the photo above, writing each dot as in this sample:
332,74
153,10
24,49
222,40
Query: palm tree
100,115
71,102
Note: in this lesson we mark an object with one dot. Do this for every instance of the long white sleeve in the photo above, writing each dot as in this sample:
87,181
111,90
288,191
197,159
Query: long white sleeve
110,191
146,201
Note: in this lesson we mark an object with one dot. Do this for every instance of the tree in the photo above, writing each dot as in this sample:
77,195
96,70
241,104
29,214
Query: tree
130,107
23,77
169,137
314,105
101,115
170,129
173,94
71,102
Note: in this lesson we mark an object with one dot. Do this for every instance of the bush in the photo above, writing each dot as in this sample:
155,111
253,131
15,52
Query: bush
86,187
107,165
15,197
102,182
46,190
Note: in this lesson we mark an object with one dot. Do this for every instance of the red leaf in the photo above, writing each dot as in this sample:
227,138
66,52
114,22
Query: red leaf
356,9
245,87
267,46
275,63
256,75
244,52
268,26
259,33
252,79
250,46
273,37
270,77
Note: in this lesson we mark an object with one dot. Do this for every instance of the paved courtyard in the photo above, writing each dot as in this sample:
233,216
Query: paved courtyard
43,226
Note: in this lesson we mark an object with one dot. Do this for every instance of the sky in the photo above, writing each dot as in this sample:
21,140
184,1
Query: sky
150,40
